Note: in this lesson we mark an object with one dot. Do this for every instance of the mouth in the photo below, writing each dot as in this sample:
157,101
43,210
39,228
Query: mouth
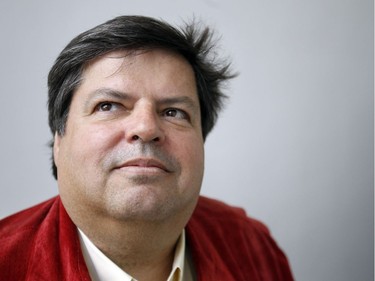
144,165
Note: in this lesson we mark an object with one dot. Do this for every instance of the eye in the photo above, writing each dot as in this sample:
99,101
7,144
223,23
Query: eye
176,113
106,106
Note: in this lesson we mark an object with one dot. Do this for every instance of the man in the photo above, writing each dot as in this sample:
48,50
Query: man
131,102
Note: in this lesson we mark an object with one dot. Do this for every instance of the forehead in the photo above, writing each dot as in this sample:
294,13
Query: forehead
150,68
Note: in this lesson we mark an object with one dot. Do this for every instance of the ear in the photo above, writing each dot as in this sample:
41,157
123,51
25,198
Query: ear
56,148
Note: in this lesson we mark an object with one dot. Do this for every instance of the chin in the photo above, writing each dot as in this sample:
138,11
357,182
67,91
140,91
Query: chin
148,206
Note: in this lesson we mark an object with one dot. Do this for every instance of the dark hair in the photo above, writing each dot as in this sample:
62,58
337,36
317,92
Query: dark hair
134,33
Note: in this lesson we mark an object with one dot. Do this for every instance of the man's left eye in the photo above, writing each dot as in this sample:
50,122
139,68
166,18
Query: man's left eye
176,113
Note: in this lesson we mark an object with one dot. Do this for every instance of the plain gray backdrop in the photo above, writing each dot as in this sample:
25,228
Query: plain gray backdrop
294,146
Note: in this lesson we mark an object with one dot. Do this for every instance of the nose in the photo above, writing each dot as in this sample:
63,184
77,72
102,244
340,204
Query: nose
144,125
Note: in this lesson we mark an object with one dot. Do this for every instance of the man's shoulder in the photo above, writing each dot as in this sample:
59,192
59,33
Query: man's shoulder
26,220
40,243
230,245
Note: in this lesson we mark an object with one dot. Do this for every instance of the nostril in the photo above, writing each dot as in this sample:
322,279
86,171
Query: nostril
135,137
156,139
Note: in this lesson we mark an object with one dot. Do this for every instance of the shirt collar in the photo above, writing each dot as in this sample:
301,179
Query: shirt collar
102,268
177,272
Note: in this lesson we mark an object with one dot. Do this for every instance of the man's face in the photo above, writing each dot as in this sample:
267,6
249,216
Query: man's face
133,145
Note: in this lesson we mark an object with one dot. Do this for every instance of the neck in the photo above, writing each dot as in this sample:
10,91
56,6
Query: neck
143,250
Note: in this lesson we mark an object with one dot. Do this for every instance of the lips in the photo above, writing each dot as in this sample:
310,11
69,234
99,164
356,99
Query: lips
145,163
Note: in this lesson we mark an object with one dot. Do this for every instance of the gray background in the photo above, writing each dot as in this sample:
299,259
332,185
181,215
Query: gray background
294,146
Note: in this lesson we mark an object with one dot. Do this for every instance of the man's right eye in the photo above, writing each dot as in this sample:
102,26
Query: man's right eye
105,106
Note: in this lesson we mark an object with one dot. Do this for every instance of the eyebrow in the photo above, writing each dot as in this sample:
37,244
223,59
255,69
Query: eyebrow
185,100
106,93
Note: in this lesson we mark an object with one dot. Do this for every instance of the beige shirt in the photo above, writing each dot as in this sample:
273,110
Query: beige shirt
101,268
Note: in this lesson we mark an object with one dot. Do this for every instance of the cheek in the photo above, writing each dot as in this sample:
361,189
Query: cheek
91,144
196,157
82,153
100,135
192,159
